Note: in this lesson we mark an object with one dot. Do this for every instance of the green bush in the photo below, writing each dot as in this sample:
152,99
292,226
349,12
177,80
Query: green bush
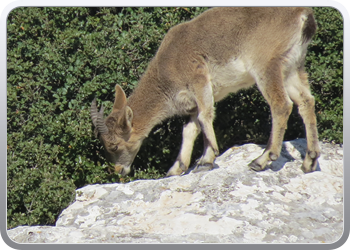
325,67
59,59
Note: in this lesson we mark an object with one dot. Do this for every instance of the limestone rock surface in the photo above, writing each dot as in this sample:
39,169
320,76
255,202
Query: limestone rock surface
230,204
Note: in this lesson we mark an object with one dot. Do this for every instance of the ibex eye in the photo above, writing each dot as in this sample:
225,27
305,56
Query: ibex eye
115,148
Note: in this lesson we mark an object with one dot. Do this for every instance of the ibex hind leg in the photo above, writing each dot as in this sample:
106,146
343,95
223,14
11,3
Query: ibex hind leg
271,86
298,89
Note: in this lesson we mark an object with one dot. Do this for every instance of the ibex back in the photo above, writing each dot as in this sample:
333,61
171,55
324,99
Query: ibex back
200,62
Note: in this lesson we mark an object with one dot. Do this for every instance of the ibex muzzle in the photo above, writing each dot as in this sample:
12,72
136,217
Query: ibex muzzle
200,62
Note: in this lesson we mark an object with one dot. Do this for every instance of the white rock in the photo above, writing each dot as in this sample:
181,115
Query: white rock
230,204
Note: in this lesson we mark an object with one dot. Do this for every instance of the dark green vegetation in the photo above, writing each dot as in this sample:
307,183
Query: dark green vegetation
58,59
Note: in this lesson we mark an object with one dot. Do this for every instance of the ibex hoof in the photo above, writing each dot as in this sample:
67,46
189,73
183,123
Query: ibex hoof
177,169
255,166
203,168
310,164
173,172
306,170
182,167
309,169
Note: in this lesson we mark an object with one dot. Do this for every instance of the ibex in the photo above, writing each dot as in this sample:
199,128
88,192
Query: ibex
200,62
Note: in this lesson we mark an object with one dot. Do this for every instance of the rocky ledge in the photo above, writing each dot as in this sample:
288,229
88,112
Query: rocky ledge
230,204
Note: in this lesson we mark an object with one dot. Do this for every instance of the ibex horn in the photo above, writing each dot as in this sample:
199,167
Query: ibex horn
97,118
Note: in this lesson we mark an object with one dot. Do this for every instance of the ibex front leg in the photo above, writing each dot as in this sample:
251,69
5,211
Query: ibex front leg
189,135
272,88
205,102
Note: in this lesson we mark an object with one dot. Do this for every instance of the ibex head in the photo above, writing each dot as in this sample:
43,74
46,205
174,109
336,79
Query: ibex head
115,132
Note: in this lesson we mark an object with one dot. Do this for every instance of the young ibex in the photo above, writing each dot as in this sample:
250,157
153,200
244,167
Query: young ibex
200,62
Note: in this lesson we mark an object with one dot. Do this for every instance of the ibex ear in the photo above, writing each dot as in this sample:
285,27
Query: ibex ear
129,115
120,98
125,121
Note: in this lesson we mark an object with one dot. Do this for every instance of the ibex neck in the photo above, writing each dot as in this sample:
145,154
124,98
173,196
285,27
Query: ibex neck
150,106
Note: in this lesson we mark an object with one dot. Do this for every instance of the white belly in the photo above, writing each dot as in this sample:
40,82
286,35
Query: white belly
229,78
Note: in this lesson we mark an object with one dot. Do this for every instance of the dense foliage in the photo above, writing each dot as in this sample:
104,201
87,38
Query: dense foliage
58,59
